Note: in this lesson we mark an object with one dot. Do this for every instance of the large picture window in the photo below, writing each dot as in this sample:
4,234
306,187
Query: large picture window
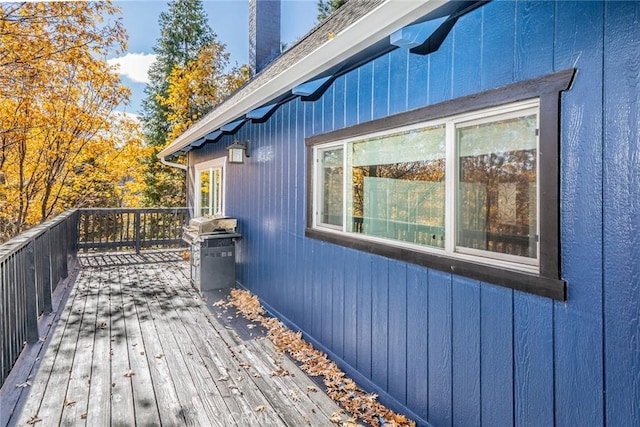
464,185
468,186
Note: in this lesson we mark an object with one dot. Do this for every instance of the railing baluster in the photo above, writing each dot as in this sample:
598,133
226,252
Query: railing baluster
137,231
31,306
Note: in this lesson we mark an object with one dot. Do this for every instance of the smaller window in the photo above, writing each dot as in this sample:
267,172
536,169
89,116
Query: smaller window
210,187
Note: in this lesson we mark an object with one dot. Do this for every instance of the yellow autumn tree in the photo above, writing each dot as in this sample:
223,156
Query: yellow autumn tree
198,87
57,98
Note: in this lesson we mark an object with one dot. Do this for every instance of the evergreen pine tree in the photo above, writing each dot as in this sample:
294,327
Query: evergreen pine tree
327,7
184,31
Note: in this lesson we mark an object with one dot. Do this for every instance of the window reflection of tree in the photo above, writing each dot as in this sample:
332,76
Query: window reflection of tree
479,192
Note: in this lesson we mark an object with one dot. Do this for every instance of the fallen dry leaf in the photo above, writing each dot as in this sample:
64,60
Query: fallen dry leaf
24,384
69,403
159,355
339,387
260,408
34,419
220,303
245,365
256,375
336,418
280,372
83,416
312,388
129,373
294,396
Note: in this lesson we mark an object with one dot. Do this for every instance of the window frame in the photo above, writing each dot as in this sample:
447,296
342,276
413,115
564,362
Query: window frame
545,279
211,165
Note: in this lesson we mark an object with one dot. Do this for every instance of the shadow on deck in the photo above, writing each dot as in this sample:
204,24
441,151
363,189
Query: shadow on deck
137,345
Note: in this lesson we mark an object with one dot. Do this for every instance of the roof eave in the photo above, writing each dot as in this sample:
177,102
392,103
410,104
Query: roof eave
371,28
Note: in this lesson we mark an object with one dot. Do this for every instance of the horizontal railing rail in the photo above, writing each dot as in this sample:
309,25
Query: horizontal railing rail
116,229
31,266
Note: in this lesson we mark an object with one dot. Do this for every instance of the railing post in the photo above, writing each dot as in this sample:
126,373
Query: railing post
136,227
30,290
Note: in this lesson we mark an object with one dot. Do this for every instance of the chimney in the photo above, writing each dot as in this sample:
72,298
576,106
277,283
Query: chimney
264,33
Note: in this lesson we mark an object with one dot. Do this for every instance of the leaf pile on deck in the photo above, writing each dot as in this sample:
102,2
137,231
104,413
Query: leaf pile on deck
361,405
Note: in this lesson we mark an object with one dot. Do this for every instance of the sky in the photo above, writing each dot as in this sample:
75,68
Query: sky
229,19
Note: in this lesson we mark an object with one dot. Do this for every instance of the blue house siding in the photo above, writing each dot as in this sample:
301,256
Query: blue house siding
451,350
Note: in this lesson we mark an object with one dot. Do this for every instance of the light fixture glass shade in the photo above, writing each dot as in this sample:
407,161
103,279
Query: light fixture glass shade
236,153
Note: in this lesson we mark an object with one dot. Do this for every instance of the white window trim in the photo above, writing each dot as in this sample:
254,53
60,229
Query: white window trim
218,163
506,261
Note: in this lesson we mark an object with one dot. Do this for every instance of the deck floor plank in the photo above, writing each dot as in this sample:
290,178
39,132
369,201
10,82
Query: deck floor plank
98,411
194,410
139,315
144,399
77,391
121,378
168,402
45,398
232,381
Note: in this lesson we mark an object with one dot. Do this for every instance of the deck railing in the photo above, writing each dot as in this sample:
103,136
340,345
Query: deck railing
35,262
31,266
122,228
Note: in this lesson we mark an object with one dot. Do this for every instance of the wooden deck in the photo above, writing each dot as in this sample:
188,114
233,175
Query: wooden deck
137,345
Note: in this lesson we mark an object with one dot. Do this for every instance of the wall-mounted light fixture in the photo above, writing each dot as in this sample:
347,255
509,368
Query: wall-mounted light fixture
237,151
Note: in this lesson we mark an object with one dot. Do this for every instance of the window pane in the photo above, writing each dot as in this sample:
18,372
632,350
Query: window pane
331,182
205,193
397,188
217,192
497,195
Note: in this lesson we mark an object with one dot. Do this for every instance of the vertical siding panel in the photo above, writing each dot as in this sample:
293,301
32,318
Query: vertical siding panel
533,354
365,92
321,286
327,110
379,322
309,245
534,39
339,107
398,331
341,275
352,97
622,212
496,355
325,281
381,87
398,66
364,321
439,362
350,306
440,64
578,324
498,28
466,352
467,55
417,341
318,116
417,84
300,210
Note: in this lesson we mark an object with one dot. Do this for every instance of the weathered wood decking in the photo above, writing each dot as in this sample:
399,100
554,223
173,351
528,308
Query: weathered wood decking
137,345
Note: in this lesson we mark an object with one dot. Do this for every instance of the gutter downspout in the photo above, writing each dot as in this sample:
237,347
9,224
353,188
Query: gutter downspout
173,165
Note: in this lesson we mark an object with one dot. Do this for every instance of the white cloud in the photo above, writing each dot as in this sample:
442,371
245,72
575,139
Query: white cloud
134,65
117,115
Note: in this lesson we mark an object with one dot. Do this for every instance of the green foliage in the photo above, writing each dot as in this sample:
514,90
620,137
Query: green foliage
327,7
184,31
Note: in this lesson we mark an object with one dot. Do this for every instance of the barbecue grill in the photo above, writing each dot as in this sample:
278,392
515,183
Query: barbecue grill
212,242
